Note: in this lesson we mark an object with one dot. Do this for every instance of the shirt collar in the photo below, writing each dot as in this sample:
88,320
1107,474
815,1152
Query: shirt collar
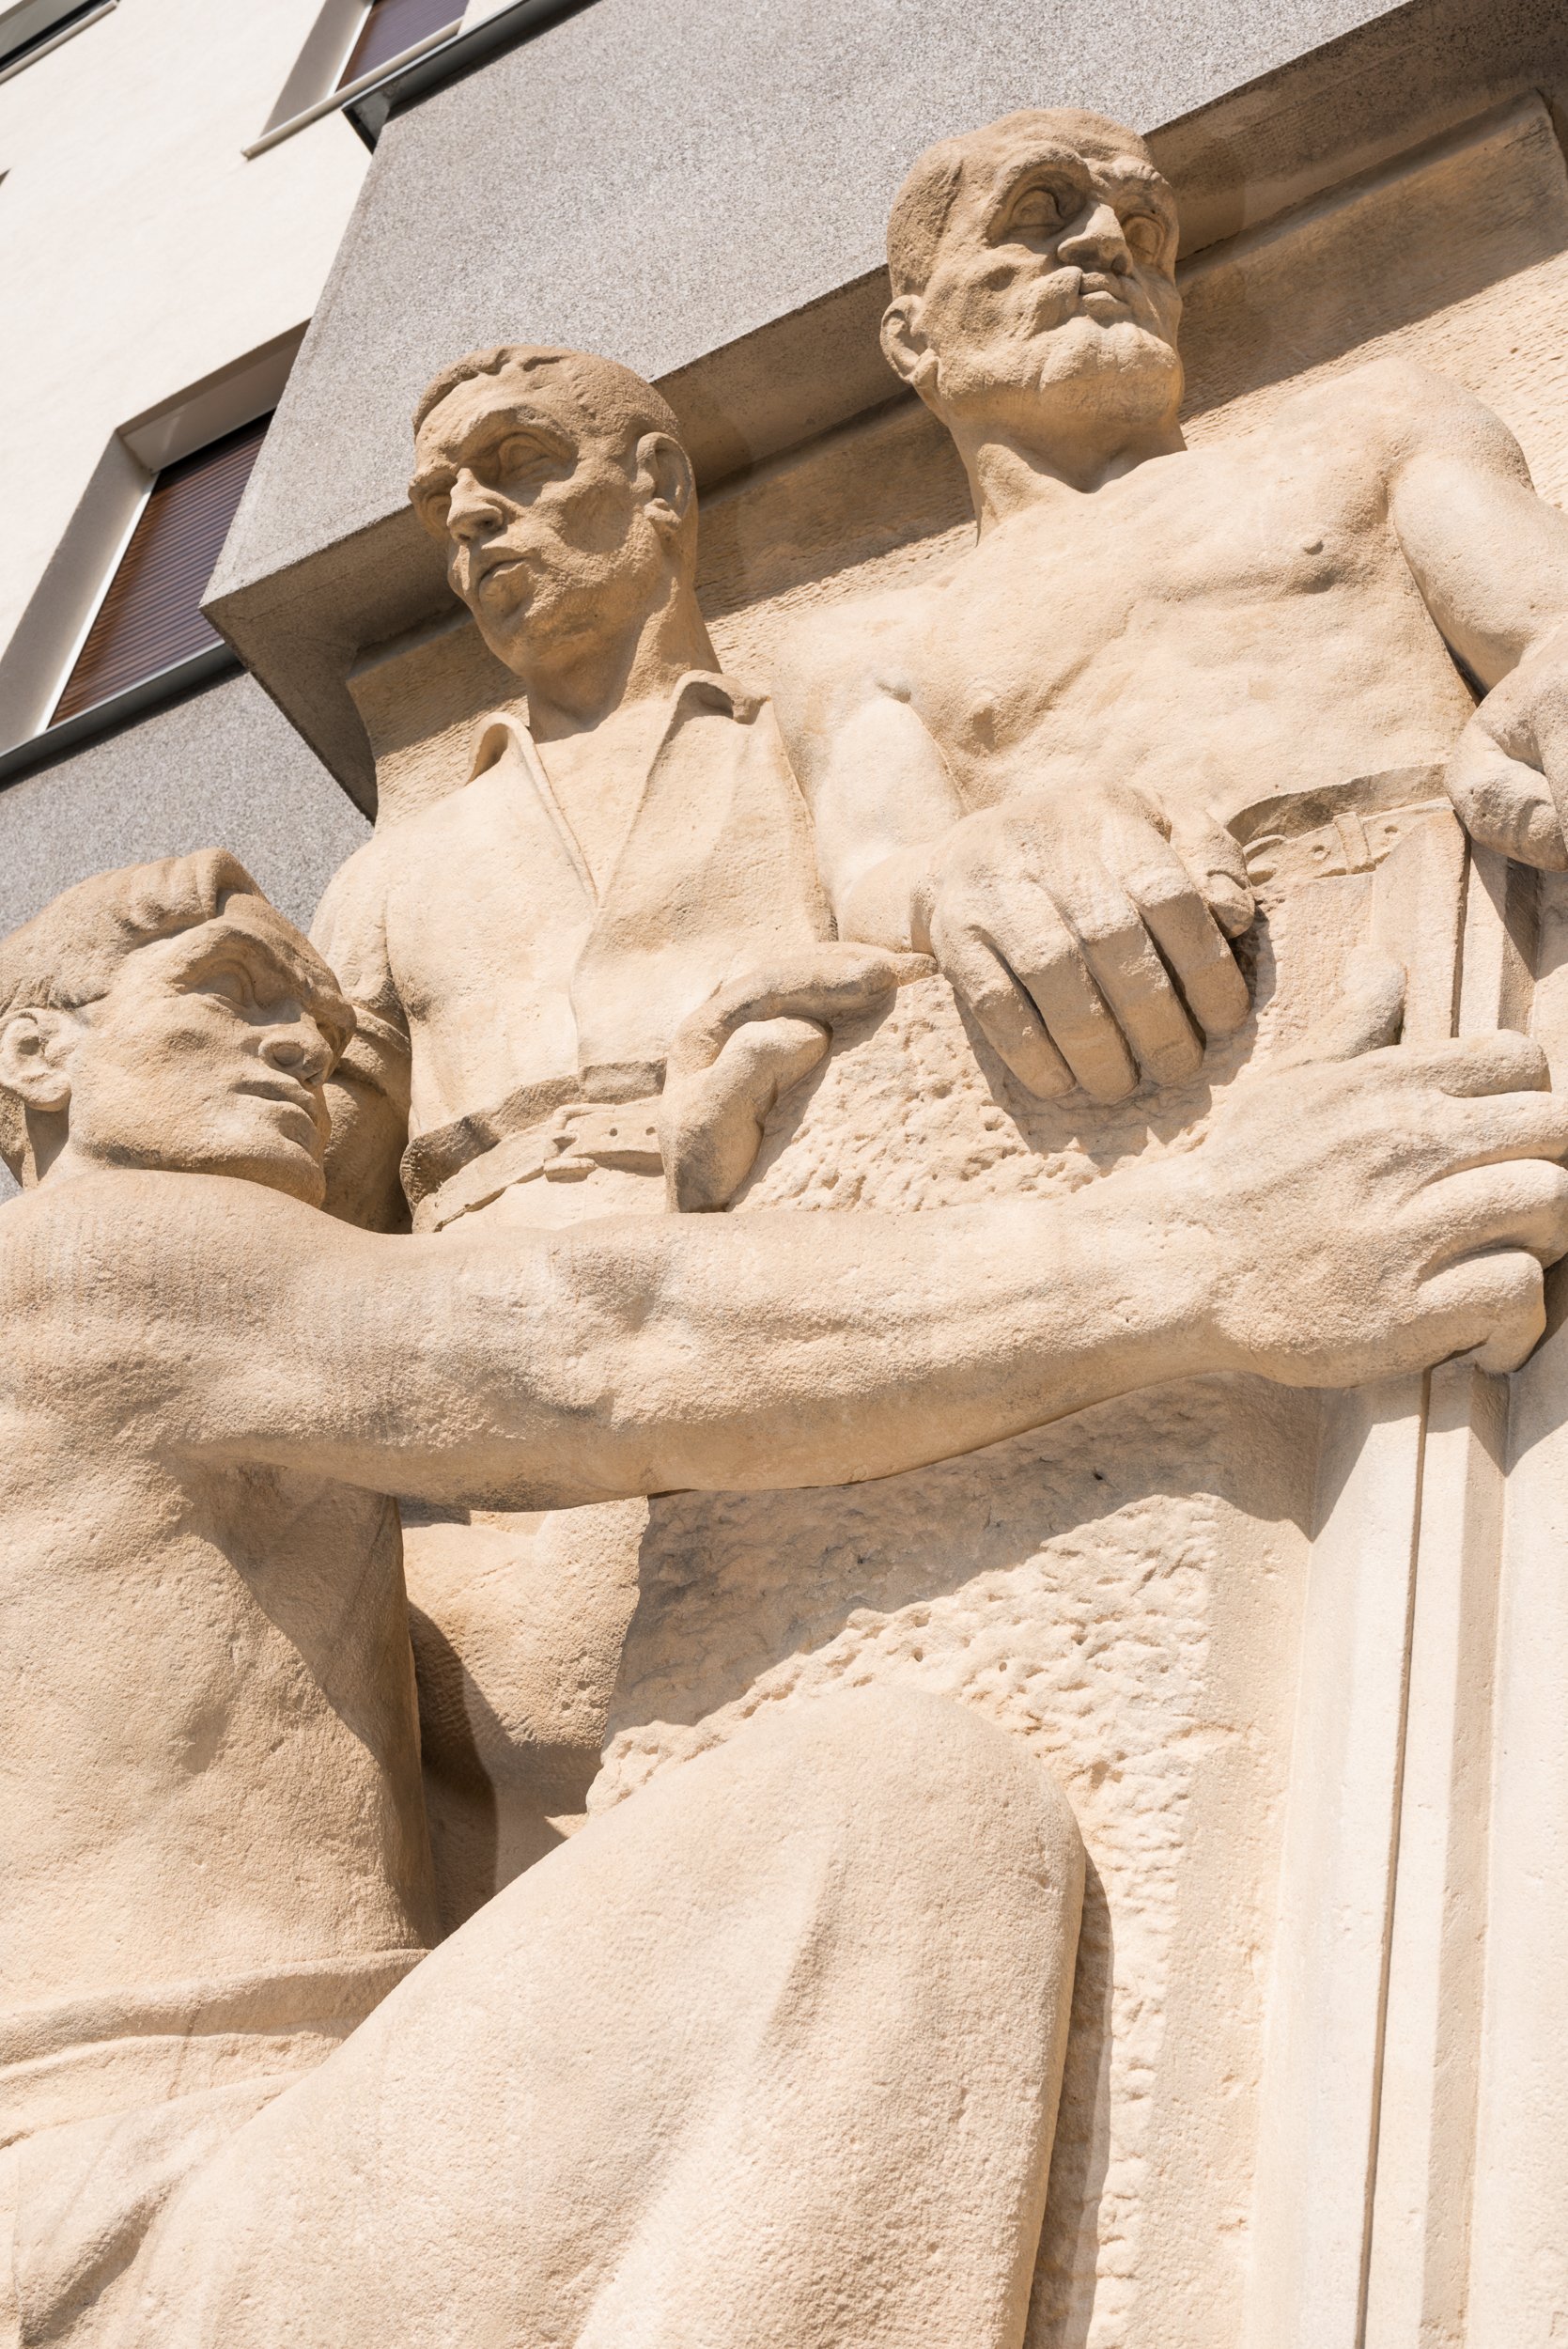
697,689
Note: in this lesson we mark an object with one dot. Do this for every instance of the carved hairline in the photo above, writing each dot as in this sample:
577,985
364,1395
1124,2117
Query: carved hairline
611,397
68,955
922,208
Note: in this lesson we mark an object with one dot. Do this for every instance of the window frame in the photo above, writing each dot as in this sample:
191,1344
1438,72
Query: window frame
59,24
59,614
326,52
140,630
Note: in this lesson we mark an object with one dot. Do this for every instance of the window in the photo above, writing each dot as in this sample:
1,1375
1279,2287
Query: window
150,618
393,25
31,26
350,46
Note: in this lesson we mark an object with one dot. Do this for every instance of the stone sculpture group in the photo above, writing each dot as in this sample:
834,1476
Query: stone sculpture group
770,2054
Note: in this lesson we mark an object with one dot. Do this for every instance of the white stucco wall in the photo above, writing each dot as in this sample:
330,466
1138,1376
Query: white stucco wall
139,249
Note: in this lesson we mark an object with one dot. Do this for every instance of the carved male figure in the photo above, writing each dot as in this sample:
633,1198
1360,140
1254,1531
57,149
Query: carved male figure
1021,763
694,2079
530,944
520,956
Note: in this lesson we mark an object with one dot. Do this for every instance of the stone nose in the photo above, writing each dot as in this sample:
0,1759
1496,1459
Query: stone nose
298,1049
1097,238
471,511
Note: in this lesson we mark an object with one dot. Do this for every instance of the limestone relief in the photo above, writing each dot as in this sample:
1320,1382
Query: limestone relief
693,1507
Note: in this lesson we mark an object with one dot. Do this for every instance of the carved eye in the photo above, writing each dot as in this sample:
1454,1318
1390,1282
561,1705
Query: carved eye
521,459
1145,236
232,983
1041,209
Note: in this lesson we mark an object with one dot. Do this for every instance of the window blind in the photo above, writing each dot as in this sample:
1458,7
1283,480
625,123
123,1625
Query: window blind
150,617
394,25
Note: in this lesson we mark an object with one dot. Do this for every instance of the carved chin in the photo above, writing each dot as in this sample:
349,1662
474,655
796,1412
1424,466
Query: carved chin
1120,363
1086,345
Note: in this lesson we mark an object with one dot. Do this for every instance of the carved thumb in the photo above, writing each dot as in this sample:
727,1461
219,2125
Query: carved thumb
710,1122
746,1045
1217,861
1369,1015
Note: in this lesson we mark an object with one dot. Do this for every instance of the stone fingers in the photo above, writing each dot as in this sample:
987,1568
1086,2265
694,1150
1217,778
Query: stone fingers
1505,803
1214,856
1493,1308
1470,1066
1008,1020
1189,933
710,1122
1494,1129
1091,1025
1519,1203
1086,956
829,982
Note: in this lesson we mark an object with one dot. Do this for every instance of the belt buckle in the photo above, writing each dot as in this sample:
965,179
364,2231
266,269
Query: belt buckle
583,1135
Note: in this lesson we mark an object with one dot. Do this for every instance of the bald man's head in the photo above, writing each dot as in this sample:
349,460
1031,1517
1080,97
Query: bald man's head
1033,260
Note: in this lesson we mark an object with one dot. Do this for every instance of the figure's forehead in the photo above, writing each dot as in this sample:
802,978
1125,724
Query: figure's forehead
1112,158
269,946
474,411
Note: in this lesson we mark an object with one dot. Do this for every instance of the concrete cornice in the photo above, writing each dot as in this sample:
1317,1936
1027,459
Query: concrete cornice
325,558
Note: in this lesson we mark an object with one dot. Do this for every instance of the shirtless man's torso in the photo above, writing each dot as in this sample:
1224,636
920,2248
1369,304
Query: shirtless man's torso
1027,763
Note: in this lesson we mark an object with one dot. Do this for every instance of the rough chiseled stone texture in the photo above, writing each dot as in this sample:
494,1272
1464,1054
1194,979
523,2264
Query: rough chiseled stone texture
1067,1586
1121,1591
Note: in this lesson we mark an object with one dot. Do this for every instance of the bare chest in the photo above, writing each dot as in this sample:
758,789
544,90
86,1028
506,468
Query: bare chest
191,1655
1247,617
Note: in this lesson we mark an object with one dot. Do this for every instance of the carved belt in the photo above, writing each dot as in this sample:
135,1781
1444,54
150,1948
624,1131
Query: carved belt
563,1148
1343,828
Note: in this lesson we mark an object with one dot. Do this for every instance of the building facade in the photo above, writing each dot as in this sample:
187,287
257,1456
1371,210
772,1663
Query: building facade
1314,2088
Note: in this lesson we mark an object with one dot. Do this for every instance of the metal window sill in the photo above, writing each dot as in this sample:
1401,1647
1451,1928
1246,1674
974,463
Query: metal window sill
335,101
421,73
122,709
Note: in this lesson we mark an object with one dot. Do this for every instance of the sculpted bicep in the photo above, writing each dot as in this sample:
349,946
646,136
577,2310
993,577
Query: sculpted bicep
872,775
1489,556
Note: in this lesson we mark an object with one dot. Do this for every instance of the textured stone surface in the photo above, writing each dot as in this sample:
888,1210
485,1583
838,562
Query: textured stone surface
224,767
1121,1591
1123,1594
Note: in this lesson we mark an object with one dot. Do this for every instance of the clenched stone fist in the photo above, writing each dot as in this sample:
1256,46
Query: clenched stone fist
1087,932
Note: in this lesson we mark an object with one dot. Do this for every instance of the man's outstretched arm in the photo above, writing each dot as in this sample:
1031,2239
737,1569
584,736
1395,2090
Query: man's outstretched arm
1350,1219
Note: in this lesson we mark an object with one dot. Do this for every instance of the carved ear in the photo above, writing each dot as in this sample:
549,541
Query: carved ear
664,474
903,345
36,1050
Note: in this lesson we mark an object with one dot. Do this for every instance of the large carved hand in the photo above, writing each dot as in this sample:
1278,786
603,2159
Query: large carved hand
1377,1210
1508,775
746,1045
1087,934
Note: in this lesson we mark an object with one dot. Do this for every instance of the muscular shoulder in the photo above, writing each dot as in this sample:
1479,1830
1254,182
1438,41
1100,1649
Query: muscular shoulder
1383,414
351,916
138,1274
836,658
91,1271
